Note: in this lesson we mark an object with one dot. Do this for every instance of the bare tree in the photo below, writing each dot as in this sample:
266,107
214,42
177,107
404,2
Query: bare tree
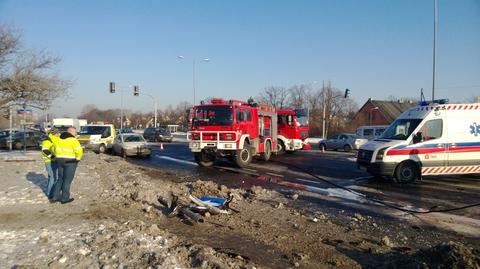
274,96
27,77
298,96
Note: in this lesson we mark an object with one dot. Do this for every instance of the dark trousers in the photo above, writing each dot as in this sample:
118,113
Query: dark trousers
66,172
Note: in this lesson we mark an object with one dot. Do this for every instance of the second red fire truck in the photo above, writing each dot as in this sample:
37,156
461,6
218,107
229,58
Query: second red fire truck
240,130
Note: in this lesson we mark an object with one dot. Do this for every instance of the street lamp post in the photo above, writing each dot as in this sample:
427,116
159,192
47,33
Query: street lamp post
181,57
155,107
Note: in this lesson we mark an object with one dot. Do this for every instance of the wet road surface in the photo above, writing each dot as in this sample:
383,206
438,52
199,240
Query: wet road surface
313,170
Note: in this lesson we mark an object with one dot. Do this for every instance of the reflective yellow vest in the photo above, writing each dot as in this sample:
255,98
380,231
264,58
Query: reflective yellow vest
68,148
47,144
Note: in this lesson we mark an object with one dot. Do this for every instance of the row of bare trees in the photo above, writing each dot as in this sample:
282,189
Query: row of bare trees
171,115
324,104
27,77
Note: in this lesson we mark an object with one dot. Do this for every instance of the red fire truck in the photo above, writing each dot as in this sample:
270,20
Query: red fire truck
292,130
233,129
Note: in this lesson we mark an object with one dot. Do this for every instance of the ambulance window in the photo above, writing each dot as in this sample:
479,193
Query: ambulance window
432,130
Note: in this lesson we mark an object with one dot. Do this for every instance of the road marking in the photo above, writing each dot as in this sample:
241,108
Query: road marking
273,174
176,160
352,159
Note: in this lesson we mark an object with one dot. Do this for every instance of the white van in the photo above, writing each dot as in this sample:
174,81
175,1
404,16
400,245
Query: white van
434,138
370,132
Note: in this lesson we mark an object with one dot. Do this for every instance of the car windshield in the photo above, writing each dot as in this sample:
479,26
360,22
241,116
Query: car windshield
400,129
213,115
93,130
302,117
133,138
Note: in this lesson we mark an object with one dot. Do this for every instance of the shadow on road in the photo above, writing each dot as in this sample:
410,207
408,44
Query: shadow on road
38,179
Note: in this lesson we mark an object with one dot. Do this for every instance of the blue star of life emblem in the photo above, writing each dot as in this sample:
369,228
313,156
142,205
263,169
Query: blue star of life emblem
475,129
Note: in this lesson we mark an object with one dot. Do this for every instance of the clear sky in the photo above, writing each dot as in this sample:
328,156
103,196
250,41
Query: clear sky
376,48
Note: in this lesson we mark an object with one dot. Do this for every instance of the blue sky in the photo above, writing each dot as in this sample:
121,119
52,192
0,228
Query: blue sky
375,48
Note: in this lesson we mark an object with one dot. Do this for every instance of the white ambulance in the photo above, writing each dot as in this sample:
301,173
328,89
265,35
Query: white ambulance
434,138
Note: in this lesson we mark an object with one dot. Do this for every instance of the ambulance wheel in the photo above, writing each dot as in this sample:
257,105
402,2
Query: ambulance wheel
406,172
243,156
204,159
280,147
347,148
268,151
102,149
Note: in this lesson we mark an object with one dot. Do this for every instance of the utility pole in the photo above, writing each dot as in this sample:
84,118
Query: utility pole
434,46
324,110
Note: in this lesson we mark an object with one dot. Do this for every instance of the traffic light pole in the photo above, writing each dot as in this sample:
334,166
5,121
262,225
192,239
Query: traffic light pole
121,110
11,127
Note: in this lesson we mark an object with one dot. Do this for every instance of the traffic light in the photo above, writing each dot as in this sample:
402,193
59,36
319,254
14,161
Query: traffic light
136,91
347,91
112,87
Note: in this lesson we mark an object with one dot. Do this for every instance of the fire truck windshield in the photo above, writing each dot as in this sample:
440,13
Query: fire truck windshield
213,115
302,117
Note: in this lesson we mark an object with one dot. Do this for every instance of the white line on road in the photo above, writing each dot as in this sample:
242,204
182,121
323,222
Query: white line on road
176,160
273,174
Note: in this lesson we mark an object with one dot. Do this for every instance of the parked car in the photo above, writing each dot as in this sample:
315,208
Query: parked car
32,140
157,135
124,131
6,132
344,141
370,132
131,145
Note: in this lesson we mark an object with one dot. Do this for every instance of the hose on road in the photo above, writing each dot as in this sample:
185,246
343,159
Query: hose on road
372,199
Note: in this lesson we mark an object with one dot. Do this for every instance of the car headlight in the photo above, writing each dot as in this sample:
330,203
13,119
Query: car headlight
381,153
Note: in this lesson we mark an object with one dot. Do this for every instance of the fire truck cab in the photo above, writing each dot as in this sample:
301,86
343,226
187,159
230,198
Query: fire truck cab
233,129
292,130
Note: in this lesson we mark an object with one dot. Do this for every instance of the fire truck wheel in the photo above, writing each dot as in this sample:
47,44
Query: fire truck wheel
280,147
406,172
243,157
268,151
204,159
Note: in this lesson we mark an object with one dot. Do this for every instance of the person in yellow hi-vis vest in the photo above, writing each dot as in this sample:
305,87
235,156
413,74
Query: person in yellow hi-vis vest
49,160
68,152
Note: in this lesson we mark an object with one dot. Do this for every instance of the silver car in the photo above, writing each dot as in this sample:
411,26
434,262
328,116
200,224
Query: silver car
131,144
344,141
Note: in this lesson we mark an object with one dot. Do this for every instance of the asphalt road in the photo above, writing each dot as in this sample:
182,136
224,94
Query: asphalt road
326,174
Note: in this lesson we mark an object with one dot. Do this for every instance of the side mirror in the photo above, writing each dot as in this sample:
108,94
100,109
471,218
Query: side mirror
417,138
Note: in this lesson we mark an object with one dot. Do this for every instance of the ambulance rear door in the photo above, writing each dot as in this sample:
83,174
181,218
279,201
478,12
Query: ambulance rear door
464,139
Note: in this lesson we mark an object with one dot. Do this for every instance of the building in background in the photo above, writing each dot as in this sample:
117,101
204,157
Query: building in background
378,112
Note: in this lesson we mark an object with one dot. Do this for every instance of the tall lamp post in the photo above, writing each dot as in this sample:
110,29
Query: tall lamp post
181,57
